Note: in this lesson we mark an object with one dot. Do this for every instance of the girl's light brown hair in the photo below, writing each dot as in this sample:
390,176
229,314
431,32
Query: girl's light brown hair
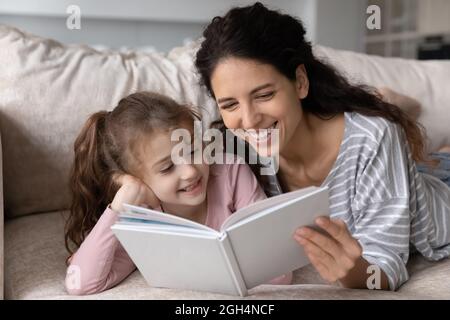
105,147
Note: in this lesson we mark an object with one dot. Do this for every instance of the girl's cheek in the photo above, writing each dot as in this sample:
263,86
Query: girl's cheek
165,195
169,186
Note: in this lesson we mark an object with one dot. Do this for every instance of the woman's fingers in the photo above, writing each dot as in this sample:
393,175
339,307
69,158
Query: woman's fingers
321,268
339,231
328,245
335,228
333,254
324,263
312,249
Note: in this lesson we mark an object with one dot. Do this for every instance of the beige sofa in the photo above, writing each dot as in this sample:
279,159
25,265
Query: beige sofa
47,90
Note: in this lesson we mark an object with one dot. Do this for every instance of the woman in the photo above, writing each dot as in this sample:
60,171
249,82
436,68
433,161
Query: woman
262,73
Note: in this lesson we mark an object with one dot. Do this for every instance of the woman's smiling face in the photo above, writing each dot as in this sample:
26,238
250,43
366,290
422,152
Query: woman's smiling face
254,95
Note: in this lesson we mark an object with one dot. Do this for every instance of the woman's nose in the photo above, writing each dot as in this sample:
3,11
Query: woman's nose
250,117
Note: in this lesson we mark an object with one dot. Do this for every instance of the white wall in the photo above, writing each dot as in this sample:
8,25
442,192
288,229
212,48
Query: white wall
166,24
116,23
340,24
108,32
434,17
306,11
156,10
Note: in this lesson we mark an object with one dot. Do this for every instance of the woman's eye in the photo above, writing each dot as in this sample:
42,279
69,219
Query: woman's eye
228,106
266,95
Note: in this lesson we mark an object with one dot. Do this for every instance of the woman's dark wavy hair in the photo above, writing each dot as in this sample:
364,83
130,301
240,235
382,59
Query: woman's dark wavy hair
255,32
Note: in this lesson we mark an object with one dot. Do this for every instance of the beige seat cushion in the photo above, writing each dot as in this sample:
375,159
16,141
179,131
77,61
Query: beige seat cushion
35,269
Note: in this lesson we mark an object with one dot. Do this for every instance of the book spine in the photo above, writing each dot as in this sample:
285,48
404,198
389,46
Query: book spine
233,266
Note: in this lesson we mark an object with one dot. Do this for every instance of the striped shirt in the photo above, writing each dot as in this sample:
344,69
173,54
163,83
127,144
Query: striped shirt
388,206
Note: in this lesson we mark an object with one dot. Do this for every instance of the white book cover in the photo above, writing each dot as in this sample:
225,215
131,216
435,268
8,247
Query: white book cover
253,245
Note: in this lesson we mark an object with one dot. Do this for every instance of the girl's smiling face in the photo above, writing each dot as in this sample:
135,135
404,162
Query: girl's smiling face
254,95
175,185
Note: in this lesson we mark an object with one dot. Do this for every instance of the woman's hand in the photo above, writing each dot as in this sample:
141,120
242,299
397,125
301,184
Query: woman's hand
333,255
132,191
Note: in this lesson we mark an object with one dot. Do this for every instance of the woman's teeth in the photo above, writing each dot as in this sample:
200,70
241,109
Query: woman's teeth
262,134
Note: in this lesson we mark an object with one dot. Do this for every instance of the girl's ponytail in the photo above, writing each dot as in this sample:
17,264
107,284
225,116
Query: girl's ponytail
90,181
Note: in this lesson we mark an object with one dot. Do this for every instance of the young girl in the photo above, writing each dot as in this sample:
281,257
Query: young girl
124,156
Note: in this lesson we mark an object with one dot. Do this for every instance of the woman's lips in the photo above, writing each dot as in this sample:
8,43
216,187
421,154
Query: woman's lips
260,136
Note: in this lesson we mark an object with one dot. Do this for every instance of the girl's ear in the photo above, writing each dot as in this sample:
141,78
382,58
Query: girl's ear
301,82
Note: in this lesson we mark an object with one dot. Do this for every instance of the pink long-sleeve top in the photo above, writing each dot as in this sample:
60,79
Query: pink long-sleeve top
101,262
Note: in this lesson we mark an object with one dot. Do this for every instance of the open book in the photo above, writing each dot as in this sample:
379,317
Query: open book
253,246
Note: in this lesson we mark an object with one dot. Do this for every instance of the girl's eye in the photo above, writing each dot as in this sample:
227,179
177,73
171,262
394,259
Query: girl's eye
167,169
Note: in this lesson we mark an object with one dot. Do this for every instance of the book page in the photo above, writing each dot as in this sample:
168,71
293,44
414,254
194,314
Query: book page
265,247
171,259
259,206
140,213
140,224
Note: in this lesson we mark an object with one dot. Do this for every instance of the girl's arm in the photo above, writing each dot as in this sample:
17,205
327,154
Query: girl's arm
101,262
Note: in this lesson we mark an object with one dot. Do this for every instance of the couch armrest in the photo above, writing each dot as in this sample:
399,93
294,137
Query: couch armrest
1,224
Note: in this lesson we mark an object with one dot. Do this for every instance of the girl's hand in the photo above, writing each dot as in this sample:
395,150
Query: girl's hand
333,255
132,191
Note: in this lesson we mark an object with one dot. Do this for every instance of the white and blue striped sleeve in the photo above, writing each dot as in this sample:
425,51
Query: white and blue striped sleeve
381,204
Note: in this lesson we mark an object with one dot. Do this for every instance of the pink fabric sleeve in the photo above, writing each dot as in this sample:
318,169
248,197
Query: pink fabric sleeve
101,262
244,186
246,191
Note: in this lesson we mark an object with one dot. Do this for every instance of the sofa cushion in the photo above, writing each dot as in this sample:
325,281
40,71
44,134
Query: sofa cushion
423,80
35,269
48,90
